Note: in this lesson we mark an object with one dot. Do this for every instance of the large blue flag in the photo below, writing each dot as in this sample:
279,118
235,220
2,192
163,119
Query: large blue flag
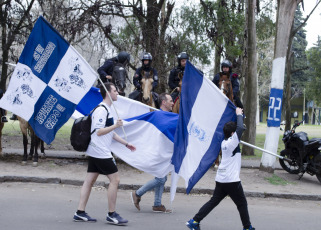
204,110
48,82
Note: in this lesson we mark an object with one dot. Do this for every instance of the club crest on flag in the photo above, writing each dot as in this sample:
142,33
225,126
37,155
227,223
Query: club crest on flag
48,82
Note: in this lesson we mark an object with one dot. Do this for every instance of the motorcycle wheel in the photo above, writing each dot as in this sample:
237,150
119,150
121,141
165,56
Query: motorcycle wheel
317,162
293,167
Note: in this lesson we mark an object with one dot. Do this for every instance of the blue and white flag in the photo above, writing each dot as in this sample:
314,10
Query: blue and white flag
204,110
152,134
48,82
126,107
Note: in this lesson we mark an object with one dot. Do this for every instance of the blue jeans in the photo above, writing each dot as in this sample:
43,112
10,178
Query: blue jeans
158,185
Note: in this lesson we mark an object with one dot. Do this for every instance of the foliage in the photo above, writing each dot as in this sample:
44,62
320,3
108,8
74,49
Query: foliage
276,180
314,72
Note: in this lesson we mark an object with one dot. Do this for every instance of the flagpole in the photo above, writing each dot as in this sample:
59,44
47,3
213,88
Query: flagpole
102,83
266,151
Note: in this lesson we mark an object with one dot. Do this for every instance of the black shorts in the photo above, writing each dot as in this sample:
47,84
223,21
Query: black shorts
102,166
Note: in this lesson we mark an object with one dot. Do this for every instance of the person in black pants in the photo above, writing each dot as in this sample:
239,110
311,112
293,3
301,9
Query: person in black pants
227,179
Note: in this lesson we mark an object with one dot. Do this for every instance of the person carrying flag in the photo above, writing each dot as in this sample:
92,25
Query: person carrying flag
100,160
228,181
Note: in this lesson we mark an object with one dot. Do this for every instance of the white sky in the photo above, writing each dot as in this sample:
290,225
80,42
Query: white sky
313,27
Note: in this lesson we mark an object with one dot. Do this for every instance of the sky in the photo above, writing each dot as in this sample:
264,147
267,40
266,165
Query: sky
313,27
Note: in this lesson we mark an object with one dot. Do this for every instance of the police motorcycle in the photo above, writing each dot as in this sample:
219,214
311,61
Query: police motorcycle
304,154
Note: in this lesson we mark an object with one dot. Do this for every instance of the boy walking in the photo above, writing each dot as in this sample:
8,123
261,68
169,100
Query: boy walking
100,160
228,177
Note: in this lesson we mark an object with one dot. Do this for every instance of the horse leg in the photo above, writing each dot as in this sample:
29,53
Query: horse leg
25,150
42,148
32,146
1,127
36,141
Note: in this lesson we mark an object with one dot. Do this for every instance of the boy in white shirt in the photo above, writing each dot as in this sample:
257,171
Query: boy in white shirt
228,176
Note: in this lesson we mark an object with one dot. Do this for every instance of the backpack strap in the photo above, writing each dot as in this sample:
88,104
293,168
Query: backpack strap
93,112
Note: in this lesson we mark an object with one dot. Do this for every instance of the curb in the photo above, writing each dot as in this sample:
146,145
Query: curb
55,180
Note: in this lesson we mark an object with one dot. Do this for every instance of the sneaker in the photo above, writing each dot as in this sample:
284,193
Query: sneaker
4,119
161,208
83,217
115,218
193,225
250,228
135,199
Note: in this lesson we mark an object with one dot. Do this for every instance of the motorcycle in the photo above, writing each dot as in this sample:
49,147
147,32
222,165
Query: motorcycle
303,155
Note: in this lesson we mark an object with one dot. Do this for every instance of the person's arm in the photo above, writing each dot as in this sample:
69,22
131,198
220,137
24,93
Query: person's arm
104,131
136,79
235,84
171,79
116,137
102,71
239,123
216,79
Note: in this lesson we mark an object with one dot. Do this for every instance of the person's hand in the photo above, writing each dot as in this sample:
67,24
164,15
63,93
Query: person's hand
178,89
131,147
109,77
119,123
239,111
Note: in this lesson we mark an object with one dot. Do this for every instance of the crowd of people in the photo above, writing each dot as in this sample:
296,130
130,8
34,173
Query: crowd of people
101,160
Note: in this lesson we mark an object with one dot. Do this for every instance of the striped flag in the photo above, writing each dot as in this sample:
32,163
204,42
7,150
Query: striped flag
204,110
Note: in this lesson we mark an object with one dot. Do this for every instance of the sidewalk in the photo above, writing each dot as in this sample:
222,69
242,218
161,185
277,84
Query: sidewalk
69,167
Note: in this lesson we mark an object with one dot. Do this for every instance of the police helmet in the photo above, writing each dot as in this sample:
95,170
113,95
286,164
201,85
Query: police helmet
123,57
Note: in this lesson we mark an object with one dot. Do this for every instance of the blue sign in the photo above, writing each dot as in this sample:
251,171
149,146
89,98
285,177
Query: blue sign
275,108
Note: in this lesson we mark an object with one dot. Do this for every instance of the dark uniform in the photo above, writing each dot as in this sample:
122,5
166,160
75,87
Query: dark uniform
107,69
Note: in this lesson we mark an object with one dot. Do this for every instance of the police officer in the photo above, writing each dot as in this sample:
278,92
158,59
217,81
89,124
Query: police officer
173,80
226,68
106,70
146,68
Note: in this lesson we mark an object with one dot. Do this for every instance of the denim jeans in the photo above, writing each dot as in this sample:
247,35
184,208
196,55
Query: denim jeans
158,185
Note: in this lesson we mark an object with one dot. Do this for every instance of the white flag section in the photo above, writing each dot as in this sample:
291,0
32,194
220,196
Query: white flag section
153,135
204,110
48,82
126,108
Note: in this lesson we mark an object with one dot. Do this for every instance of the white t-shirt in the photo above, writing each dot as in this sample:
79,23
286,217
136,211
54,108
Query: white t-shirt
99,146
230,166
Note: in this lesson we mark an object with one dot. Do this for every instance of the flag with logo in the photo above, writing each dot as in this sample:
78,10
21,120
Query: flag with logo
204,110
48,82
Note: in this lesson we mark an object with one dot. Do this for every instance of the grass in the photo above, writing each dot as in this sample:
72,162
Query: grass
12,128
276,180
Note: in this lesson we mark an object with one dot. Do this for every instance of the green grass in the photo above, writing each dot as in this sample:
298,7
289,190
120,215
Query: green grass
276,180
12,128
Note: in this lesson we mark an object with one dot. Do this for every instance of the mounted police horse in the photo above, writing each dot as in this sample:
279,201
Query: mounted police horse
146,95
178,99
119,78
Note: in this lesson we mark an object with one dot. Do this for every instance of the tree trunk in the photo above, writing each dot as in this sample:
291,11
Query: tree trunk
250,96
285,15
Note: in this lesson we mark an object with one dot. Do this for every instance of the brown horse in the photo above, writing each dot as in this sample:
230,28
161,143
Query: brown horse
25,128
178,99
147,89
225,85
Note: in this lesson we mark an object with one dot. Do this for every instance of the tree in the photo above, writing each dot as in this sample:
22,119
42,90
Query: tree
250,95
285,15
314,73
16,22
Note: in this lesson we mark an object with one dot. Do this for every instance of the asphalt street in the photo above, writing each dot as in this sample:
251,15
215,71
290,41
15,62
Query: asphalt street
51,206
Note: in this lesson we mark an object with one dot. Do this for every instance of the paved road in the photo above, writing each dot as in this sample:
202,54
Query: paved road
49,206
